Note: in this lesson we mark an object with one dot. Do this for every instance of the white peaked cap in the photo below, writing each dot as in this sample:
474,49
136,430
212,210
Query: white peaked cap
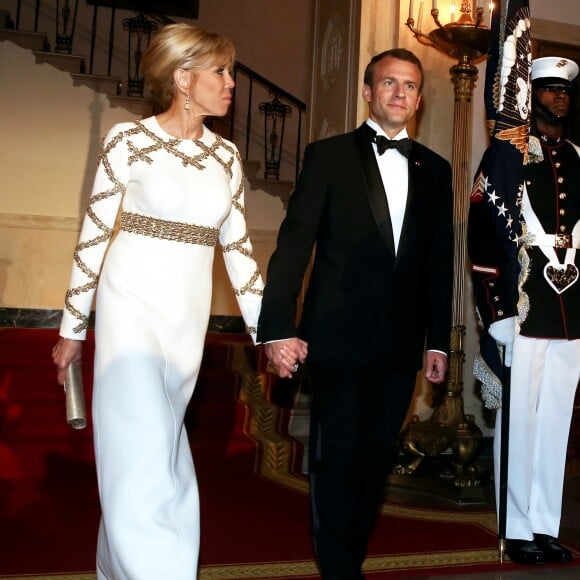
554,67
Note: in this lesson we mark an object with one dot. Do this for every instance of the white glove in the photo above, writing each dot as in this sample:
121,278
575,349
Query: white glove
504,333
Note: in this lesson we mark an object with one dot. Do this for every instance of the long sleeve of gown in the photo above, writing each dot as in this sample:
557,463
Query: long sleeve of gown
96,232
238,254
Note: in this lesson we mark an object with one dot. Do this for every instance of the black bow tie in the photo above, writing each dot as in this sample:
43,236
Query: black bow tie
403,146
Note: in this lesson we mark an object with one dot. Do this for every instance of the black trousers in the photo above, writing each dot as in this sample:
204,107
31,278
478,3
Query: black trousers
356,415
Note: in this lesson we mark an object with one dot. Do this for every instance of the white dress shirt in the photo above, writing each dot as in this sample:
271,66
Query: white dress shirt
394,171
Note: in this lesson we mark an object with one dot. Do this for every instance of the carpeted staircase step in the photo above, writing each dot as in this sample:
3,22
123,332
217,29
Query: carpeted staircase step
32,404
215,420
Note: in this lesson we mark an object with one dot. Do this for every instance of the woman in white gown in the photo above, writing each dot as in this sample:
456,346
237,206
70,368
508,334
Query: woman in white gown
179,189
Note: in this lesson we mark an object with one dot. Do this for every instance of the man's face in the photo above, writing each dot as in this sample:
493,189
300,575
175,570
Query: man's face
556,98
394,96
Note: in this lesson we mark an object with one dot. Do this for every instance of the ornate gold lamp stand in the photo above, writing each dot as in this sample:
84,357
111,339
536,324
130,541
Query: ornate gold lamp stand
448,427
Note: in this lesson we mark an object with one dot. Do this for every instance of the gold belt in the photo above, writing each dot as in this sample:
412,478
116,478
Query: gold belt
556,240
168,230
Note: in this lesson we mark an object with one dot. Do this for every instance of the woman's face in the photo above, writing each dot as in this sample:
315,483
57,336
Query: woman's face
210,90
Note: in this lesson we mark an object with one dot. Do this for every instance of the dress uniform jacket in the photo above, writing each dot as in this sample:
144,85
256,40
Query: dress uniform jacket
508,270
552,181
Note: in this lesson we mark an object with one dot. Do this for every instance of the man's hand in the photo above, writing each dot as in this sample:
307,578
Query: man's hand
435,367
285,355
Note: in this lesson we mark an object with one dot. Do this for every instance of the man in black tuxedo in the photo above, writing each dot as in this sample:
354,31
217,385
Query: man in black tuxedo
380,217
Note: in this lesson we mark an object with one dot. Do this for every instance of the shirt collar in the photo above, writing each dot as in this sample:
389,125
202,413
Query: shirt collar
376,127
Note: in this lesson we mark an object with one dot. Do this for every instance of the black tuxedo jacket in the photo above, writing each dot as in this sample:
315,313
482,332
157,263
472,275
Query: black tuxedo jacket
361,298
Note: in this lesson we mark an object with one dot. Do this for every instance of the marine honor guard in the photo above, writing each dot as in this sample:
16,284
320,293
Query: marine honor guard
528,302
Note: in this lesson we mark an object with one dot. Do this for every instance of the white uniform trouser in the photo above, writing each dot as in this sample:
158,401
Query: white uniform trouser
544,377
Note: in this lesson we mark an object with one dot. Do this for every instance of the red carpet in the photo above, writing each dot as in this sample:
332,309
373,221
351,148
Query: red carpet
254,508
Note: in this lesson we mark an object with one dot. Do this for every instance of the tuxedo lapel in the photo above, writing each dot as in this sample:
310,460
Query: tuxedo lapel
374,184
417,185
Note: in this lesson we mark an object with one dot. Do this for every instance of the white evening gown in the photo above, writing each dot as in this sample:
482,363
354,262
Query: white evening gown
178,199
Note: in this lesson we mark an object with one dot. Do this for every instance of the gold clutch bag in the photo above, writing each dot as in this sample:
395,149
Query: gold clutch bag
75,397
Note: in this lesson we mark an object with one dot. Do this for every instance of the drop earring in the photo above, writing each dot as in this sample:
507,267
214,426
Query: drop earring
186,105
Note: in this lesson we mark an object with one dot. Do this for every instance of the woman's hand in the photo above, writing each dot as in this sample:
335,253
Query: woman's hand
285,355
65,351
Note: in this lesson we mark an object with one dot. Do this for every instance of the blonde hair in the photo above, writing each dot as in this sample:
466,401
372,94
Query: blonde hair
183,46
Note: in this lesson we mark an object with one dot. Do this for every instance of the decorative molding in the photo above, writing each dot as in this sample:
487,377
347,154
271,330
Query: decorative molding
35,41
275,187
49,318
556,31
332,57
279,188
31,318
135,105
335,64
98,83
70,63
48,222
39,222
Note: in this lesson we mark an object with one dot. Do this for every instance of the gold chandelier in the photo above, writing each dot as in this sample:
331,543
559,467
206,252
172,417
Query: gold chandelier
463,37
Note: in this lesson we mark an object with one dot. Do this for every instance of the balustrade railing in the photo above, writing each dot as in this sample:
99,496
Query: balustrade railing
115,40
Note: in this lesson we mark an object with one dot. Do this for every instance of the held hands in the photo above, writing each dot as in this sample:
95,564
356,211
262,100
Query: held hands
285,355
435,366
504,333
64,352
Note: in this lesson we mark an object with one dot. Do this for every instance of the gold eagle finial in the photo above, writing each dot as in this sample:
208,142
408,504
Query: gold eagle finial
518,137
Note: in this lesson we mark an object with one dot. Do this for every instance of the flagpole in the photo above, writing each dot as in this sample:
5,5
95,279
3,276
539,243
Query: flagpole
504,456
496,205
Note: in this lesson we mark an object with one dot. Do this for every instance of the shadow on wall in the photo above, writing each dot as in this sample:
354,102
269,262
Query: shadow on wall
95,109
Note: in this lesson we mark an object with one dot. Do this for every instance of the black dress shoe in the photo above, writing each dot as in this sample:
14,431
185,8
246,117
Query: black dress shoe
553,550
525,552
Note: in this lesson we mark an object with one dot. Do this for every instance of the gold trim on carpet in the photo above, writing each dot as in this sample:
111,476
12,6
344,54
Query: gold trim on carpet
486,520
372,564
433,560
259,570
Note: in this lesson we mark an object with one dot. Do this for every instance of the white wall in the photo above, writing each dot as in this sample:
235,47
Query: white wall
48,154
272,37
51,134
